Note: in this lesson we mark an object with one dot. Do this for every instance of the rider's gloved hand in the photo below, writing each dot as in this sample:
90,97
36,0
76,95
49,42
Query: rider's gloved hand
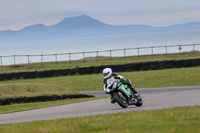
127,81
122,80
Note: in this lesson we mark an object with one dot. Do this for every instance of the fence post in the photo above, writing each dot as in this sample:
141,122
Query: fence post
138,51
69,56
56,57
41,58
83,55
97,53
28,59
166,49
124,52
180,48
152,50
14,60
1,60
110,54
193,47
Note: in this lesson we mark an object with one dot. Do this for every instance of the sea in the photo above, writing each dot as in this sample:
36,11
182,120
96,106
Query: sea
12,53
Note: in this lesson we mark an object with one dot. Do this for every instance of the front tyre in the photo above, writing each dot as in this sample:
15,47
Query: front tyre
120,99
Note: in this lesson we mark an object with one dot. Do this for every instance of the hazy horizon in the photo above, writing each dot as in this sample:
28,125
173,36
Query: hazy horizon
16,14
98,20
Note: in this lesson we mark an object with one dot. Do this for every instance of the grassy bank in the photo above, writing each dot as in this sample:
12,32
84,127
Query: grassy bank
97,61
140,79
72,84
32,89
179,120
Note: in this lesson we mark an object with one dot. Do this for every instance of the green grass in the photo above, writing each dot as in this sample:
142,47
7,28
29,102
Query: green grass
29,106
72,84
173,120
32,89
140,79
97,61
58,85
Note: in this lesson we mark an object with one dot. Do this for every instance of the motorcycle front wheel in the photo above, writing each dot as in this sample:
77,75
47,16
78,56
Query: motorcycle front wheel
120,99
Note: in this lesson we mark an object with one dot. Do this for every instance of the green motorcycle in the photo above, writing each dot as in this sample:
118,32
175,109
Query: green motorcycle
122,94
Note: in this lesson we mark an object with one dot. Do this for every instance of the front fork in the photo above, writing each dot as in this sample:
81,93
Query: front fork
125,91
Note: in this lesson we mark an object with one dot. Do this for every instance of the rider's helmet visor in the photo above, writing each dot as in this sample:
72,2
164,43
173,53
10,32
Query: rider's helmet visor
105,74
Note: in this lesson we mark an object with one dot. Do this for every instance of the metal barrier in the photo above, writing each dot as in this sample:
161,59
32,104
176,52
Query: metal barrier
28,59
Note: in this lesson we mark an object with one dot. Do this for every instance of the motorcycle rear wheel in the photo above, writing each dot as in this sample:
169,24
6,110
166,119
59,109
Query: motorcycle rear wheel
139,102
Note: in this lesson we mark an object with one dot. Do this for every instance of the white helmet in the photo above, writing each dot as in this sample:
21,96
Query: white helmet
107,72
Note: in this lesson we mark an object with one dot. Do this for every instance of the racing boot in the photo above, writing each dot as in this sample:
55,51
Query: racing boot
128,82
136,94
112,99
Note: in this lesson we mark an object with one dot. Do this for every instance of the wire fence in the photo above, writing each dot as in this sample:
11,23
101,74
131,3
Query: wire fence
28,59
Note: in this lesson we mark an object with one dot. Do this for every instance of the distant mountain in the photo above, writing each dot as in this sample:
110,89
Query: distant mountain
85,26
80,23
193,26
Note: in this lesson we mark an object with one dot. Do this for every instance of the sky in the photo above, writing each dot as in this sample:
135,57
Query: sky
17,14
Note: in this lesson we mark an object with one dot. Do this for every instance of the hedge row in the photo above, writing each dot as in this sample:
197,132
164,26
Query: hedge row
43,98
154,65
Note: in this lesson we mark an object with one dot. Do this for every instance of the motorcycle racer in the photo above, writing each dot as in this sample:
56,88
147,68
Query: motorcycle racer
107,74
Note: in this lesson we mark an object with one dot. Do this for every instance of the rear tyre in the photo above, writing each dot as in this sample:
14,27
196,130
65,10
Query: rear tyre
139,101
120,99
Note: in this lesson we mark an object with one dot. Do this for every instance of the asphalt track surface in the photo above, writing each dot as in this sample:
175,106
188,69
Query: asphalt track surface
154,98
